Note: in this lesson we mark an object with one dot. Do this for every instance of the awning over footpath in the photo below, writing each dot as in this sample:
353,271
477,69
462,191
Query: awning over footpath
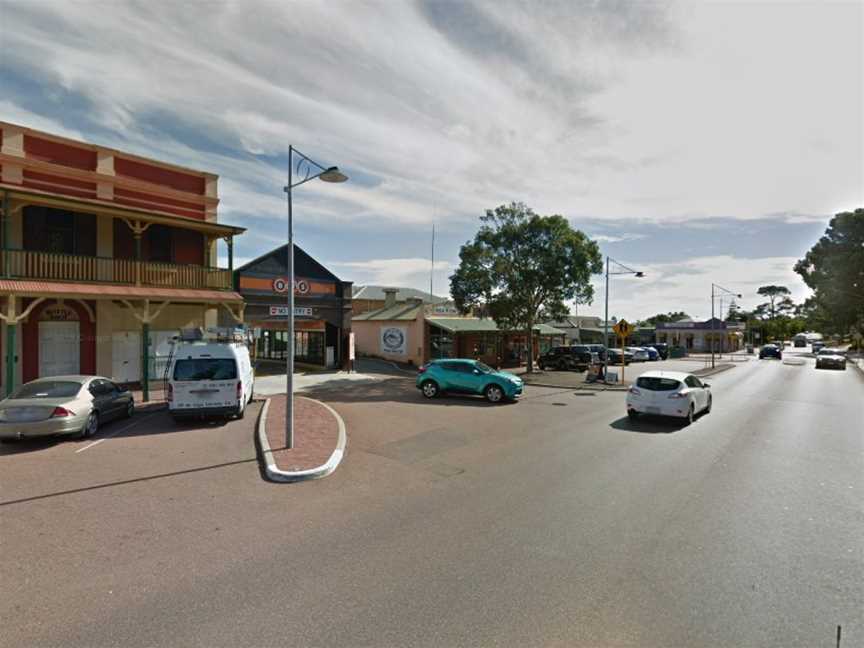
113,291
470,325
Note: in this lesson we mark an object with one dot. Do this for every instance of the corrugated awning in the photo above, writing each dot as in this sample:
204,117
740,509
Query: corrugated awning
472,325
113,291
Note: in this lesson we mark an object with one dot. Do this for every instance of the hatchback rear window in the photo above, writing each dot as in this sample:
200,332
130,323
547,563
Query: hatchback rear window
49,389
205,369
658,384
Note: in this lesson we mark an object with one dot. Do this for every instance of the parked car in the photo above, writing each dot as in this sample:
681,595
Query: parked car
663,349
816,346
653,356
771,351
467,377
668,393
830,358
599,349
209,379
577,357
63,405
639,354
615,356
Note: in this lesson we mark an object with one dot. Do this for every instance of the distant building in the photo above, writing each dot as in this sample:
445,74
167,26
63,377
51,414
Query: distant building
698,336
368,298
583,329
414,332
322,308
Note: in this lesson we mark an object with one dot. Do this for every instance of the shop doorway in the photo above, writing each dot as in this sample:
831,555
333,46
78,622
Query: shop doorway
59,348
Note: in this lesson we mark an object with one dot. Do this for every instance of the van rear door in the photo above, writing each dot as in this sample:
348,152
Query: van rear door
204,382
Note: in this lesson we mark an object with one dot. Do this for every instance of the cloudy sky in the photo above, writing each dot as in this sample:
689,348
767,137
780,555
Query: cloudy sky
698,142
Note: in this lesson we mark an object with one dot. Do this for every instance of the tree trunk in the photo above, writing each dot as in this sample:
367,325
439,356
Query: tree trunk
529,336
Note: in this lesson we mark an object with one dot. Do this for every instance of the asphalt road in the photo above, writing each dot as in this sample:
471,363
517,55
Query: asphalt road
552,521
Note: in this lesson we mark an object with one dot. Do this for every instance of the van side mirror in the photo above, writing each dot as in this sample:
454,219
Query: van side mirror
705,385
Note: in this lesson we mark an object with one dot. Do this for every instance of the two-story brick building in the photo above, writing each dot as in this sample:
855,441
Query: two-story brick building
104,256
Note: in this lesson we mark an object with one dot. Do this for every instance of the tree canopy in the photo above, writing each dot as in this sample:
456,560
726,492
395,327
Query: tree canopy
664,318
834,269
522,267
778,299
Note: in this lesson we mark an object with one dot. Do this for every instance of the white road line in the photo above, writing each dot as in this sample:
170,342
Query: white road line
116,432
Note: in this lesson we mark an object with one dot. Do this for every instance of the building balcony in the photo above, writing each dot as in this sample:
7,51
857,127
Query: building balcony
27,264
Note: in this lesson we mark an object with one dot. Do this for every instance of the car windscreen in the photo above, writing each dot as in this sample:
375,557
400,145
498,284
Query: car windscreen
483,367
205,369
824,351
657,384
49,389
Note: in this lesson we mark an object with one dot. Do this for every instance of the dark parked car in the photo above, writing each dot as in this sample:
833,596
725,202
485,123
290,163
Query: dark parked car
771,351
615,357
599,349
662,350
577,357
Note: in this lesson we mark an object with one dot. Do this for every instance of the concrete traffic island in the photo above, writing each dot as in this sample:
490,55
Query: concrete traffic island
319,440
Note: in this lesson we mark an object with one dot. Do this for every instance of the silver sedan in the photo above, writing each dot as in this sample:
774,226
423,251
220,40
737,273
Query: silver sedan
63,405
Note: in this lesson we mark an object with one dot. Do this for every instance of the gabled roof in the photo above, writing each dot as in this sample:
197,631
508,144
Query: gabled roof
376,293
402,312
276,262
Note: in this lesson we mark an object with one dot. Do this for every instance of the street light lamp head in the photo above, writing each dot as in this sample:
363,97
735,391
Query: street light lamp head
333,174
640,274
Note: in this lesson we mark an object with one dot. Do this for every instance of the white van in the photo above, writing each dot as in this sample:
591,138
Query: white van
209,379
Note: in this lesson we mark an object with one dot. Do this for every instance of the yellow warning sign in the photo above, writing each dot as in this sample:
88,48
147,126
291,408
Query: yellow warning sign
623,328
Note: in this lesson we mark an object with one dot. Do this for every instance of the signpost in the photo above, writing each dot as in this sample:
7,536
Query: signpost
623,329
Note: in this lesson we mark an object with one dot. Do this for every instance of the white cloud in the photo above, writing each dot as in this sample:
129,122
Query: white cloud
606,238
613,110
686,285
403,273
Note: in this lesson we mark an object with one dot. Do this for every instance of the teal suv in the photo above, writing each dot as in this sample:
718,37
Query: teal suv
467,377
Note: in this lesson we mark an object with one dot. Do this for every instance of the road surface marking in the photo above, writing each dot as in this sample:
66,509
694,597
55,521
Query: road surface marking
116,432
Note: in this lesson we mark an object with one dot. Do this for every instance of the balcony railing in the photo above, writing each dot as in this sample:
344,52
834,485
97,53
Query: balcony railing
27,264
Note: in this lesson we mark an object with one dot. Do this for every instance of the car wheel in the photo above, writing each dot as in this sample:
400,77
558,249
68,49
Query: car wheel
429,388
241,412
708,407
632,414
91,426
130,409
690,415
494,393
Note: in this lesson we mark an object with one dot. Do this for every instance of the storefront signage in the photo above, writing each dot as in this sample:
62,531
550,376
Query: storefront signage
445,309
394,340
301,286
282,311
59,313
351,345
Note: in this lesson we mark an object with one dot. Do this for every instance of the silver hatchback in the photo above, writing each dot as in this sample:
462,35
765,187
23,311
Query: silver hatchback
63,405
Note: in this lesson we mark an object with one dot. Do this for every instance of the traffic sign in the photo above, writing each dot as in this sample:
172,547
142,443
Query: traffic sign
623,328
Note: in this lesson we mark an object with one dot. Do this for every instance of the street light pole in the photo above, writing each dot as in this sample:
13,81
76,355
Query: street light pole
310,170
714,293
626,271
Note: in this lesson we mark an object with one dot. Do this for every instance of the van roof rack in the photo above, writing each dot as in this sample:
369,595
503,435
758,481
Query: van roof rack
216,334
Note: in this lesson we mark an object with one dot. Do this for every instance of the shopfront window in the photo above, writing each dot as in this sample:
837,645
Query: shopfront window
441,343
308,346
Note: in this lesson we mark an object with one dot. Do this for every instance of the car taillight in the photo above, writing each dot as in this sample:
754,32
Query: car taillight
421,369
239,390
60,412
170,396
678,395
634,390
